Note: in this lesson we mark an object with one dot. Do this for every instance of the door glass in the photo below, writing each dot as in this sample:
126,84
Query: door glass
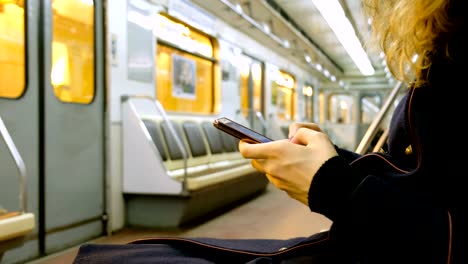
72,73
251,78
340,108
370,107
308,92
283,95
12,49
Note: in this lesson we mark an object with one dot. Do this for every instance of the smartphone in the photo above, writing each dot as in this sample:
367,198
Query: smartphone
239,131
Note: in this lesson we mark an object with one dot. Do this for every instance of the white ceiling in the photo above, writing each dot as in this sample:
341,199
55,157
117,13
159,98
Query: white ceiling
299,22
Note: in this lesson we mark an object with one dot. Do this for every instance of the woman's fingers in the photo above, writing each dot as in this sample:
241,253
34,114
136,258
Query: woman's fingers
252,150
256,164
294,127
305,136
317,141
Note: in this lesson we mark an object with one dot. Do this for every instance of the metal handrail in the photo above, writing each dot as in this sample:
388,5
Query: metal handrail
19,164
163,114
381,142
373,128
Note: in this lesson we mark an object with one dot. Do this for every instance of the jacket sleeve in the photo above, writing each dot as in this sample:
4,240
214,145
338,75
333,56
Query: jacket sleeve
332,186
348,155
383,218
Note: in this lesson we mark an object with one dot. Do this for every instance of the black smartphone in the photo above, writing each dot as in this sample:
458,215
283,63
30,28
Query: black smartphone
239,131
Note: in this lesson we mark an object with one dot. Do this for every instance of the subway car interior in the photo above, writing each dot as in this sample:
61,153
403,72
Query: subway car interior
107,110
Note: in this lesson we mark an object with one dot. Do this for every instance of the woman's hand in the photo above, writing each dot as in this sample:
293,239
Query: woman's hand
291,165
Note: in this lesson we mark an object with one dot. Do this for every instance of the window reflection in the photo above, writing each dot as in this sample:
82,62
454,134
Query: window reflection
12,49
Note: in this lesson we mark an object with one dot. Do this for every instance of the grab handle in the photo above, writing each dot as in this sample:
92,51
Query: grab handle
19,164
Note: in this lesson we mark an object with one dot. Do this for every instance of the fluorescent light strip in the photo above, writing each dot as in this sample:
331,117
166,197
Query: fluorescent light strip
333,13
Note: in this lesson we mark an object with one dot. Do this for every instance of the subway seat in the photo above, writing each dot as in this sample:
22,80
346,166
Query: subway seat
14,226
212,156
162,189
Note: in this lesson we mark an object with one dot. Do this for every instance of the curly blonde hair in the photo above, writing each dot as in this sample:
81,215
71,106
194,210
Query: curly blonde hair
405,28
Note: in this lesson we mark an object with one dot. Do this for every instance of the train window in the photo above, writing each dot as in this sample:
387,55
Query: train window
308,92
251,72
12,49
370,107
72,73
340,108
283,89
183,36
185,73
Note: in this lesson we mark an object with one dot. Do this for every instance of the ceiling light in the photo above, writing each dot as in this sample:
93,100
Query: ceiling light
239,9
318,67
333,13
266,28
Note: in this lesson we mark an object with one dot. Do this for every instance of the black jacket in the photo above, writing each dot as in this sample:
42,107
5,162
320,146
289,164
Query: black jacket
408,205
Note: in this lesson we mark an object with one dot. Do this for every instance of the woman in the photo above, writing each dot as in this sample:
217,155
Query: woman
407,205
404,206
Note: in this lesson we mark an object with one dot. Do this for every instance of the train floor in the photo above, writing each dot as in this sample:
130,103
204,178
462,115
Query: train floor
272,214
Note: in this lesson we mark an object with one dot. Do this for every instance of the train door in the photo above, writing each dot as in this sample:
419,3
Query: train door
251,90
341,122
283,100
283,96
57,122
19,90
308,93
73,122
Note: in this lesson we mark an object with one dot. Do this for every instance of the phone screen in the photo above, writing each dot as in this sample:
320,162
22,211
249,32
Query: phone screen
239,131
